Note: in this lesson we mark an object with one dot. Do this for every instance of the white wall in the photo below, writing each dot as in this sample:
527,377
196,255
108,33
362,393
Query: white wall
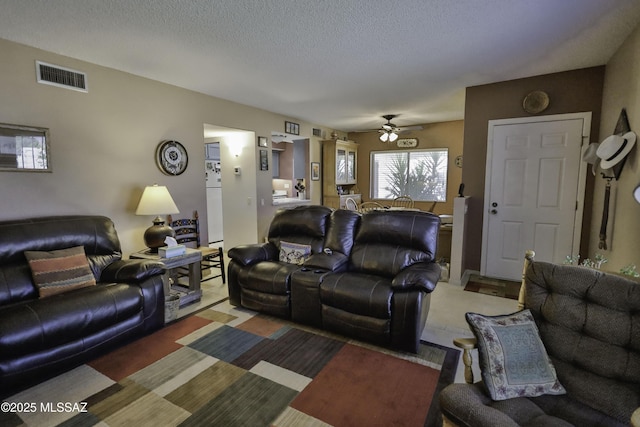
621,90
239,191
103,145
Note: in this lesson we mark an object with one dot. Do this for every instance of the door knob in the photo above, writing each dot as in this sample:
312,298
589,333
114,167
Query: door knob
494,211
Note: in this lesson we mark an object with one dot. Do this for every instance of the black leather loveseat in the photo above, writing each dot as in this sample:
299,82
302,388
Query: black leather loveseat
41,334
366,276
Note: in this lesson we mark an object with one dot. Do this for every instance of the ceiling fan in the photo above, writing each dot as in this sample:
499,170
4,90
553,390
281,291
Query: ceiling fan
389,132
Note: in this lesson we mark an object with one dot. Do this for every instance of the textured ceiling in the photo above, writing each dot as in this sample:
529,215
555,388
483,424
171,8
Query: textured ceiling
338,63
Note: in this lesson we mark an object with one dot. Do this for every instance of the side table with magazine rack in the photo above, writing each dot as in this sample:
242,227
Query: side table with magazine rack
174,279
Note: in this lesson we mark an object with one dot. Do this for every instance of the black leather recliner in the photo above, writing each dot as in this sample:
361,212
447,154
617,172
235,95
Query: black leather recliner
368,276
384,295
41,337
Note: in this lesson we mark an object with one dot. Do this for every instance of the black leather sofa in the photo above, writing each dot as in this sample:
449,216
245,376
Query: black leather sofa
367,276
43,336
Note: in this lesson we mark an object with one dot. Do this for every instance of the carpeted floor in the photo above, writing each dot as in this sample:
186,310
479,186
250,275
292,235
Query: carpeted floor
496,287
230,367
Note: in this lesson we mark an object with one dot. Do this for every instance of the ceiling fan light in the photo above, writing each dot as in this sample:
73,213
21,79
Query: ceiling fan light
384,137
393,136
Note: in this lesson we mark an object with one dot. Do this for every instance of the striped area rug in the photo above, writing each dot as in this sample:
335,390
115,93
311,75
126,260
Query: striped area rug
226,366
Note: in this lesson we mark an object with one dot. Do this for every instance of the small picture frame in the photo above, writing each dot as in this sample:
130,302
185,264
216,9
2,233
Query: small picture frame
262,141
315,171
292,128
264,160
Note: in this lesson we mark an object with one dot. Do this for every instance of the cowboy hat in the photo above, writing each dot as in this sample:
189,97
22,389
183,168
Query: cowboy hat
613,149
589,155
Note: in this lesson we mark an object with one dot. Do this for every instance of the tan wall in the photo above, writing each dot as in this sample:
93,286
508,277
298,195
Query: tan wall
433,135
103,145
621,90
569,92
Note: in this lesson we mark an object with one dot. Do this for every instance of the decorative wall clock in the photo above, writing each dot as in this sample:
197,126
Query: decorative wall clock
172,157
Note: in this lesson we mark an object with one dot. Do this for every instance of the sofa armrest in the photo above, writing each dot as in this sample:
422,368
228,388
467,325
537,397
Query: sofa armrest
422,275
635,418
334,262
251,254
127,271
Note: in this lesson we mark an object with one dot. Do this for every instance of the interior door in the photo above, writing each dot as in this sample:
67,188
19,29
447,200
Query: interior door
534,176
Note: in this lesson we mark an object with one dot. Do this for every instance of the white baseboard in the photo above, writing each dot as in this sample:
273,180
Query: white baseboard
464,279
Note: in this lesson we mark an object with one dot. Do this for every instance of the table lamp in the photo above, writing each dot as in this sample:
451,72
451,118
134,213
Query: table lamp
156,200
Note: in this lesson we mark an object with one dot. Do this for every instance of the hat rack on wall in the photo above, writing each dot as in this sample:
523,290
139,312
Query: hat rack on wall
622,127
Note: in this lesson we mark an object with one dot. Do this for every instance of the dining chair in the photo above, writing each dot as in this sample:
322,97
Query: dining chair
350,204
370,206
188,233
402,202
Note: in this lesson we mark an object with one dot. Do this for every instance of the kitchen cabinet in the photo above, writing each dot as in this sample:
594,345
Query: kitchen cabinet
339,170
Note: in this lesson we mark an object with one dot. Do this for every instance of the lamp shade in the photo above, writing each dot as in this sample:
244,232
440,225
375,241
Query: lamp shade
156,200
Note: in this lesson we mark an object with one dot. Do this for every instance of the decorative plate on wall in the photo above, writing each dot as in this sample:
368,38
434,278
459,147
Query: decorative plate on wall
172,157
407,142
535,102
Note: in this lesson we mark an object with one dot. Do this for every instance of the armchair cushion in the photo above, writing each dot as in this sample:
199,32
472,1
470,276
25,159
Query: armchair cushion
59,271
513,359
358,293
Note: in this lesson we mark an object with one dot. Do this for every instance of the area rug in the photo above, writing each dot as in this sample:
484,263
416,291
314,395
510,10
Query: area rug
232,367
495,287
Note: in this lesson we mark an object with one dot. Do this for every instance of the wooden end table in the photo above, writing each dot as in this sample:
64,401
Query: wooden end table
190,260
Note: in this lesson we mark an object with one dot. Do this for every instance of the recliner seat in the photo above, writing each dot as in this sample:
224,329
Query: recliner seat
368,276
40,337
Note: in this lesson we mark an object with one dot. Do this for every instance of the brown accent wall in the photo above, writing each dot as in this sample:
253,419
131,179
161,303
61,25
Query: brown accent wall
569,92
433,135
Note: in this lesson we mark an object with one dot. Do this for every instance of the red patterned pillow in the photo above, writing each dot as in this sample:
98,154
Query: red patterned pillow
55,272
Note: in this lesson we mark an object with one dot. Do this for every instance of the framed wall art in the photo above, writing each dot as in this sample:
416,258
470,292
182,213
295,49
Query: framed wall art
264,160
24,148
292,128
315,171
262,141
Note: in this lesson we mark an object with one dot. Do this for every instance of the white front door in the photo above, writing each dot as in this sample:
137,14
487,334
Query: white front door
534,190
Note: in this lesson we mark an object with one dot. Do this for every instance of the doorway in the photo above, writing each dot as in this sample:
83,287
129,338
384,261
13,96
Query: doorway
534,191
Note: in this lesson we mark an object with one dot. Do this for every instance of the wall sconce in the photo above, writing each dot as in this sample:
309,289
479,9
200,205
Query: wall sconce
156,200
235,148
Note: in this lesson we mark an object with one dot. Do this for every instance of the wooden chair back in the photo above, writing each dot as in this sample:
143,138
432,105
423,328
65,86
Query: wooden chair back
370,206
402,202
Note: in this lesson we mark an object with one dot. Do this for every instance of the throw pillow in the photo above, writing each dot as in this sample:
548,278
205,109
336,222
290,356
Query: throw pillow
55,272
294,253
513,360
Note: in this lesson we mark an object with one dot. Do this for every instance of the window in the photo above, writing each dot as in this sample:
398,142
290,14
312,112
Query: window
420,174
24,148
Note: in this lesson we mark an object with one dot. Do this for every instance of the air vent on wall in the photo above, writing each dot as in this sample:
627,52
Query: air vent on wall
62,77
